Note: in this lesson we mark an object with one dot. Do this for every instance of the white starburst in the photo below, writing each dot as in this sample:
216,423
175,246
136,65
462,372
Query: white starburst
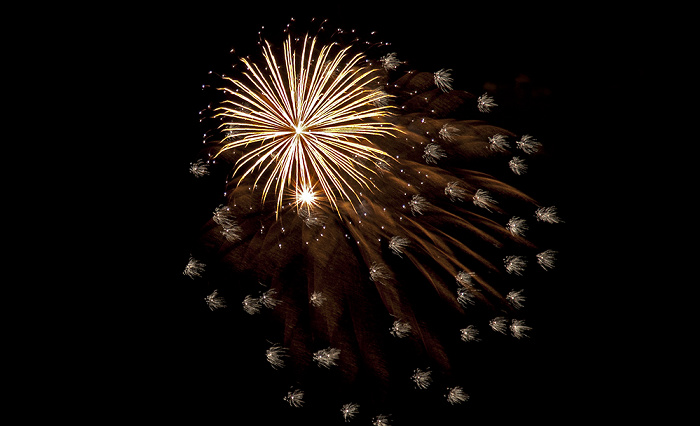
194,268
548,215
499,324
400,329
498,143
398,244
295,398
448,132
268,299
470,334
515,264
378,272
199,168
443,79
327,357
517,226
381,420
518,328
485,103
317,299
455,191
456,395
227,221
546,259
349,411
528,144
465,297
390,61
464,278
418,204
214,301
483,199
275,356
516,298
251,305
303,117
422,378
517,165
432,153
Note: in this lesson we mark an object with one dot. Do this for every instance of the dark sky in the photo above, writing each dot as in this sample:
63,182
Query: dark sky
570,59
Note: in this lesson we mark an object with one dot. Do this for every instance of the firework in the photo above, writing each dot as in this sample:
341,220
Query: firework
308,117
356,200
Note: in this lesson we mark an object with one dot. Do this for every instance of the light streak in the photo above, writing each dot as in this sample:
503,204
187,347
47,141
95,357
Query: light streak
307,121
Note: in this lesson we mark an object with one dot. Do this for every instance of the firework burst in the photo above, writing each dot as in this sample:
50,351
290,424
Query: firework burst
306,120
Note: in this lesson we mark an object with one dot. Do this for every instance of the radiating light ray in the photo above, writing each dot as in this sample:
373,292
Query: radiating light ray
311,118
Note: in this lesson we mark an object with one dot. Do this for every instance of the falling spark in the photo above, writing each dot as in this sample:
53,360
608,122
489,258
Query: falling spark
516,298
251,305
199,168
456,395
268,299
398,244
378,272
432,153
482,199
422,378
327,357
517,165
470,334
349,411
214,301
400,329
546,259
390,61
465,297
317,299
547,214
518,328
443,79
485,103
498,143
381,420
307,119
194,268
499,324
517,226
295,398
455,191
464,278
418,204
275,356
448,132
515,264
528,144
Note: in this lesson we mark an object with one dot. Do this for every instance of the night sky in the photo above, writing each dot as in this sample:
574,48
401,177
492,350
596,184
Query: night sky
550,69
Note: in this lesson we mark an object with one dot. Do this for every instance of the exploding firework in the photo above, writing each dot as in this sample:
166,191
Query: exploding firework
352,200
308,120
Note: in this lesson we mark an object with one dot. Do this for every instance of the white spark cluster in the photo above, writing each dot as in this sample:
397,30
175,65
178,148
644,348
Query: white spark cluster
349,411
455,191
482,198
443,79
485,103
327,357
194,268
422,378
469,334
214,301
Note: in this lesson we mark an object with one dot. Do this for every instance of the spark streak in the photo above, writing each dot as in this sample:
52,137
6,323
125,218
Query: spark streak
308,120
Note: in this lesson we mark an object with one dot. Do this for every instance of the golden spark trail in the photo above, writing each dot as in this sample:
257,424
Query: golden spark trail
311,118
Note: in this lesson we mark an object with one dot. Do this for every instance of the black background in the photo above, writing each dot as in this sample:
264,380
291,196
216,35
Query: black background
161,355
